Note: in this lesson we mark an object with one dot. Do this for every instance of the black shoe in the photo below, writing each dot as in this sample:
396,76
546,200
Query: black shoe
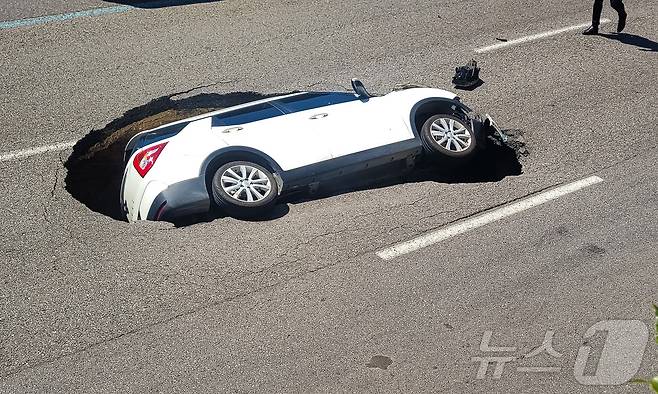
622,22
591,31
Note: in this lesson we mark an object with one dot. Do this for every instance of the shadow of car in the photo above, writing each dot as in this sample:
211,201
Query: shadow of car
159,3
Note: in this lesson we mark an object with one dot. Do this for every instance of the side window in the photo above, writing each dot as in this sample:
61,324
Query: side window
306,101
245,115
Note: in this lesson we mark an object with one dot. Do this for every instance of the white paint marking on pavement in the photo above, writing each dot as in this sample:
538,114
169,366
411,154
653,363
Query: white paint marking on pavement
19,154
41,20
484,218
535,37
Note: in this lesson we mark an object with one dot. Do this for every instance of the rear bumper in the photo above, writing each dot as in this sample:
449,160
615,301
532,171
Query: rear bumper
177,200
155,200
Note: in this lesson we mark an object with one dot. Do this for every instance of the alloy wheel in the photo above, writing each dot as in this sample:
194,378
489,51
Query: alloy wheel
246,183
451,134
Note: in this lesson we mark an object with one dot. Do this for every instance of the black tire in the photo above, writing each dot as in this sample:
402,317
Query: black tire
433,147
236,206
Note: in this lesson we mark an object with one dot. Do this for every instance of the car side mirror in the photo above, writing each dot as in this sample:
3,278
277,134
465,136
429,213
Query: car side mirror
360,90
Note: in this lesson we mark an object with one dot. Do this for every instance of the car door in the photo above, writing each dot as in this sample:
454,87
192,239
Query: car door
362,125
291,139
347,124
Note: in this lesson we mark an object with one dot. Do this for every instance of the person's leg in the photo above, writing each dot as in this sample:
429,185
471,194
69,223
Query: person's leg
618,5
596,18
596,12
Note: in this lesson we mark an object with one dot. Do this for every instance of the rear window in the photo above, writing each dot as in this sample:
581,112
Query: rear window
306,101
249,114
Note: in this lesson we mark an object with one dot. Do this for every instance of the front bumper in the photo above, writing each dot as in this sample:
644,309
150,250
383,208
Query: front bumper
492,128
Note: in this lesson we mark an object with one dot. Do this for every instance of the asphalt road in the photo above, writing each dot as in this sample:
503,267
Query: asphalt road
302,302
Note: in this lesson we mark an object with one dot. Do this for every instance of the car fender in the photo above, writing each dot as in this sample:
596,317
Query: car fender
407,102
432,101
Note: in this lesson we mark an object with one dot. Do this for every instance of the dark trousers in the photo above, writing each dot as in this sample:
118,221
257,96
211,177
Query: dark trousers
598,7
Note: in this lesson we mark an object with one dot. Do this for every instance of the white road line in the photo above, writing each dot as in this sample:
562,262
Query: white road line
41,20
485,218
534,37
19,154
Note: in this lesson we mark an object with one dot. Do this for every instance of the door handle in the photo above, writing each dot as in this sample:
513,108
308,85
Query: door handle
232,129
319,116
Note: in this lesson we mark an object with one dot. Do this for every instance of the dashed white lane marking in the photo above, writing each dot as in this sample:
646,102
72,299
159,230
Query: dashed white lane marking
484,218
19,154
41,20
535,37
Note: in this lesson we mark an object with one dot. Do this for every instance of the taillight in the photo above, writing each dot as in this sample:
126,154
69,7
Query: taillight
145,159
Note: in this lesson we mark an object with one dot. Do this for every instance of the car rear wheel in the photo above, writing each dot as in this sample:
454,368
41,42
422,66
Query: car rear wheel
244,189
449,136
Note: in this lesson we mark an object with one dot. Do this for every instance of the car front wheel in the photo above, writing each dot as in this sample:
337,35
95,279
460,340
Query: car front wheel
244,189
449,136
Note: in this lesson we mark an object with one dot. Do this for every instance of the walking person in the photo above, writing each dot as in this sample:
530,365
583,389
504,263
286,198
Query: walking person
618,5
